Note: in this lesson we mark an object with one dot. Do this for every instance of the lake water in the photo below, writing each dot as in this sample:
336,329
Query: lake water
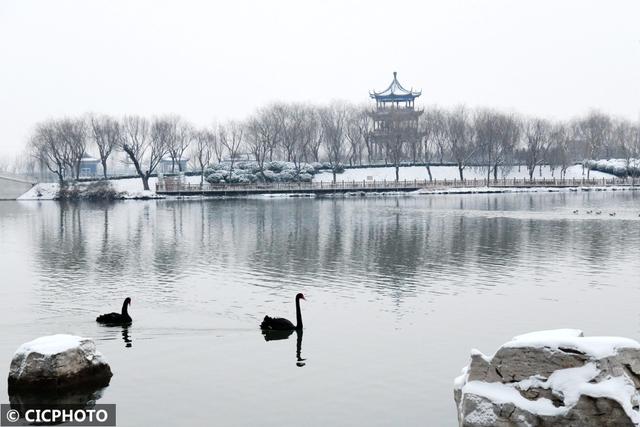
398,291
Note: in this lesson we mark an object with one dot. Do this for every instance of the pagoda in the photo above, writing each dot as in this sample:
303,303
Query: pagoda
395,121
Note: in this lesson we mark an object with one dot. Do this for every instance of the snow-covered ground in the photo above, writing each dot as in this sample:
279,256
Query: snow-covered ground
449,173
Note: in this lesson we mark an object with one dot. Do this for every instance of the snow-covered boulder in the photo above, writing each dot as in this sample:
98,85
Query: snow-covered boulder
57,362
552,378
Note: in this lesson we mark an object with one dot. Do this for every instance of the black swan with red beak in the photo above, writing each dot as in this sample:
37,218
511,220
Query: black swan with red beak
281,324
122,318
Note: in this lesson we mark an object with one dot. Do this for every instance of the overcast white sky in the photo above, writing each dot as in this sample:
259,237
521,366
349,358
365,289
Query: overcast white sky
219,60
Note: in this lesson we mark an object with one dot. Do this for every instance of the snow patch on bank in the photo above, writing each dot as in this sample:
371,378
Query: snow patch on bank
44,191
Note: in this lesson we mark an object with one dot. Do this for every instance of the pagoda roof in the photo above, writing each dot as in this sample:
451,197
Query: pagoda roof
395,92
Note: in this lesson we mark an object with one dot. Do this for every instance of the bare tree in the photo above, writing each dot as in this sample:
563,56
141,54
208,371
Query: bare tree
106,134
288,126
202,150
231,137
626,137
312,132
496,137
460,138
364,124
559,152
486,128
634,152
51,151
431,133
595,132
179,139
509,131
305,134
217,147
537,132
333,120
356,134
144,144
73,133
261,134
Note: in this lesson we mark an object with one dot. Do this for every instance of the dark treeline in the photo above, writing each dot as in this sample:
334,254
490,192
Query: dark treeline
337,134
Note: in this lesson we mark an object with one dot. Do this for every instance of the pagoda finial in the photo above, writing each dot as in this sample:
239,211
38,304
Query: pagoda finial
395,73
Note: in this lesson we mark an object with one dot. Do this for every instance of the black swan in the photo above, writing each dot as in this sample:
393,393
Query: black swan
280,324
117,318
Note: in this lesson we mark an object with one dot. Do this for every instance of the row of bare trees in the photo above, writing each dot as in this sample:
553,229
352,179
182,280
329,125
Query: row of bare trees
337,134
342,134
60,145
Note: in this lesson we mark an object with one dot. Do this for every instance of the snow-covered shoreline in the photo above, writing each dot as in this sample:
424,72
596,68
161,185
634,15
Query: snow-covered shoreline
131,188
50,191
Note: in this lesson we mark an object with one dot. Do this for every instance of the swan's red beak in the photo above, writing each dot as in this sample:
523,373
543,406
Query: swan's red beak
302,297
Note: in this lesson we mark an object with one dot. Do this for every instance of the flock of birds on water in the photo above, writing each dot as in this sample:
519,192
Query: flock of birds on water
268,323
598,212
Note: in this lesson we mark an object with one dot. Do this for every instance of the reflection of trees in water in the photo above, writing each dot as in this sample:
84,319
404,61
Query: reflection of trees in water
393,245
62,251
94,249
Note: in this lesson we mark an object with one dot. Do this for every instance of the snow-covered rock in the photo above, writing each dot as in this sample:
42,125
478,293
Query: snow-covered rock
552,378
57,362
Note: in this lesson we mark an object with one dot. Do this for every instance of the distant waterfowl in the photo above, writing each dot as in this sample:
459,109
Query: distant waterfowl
589,212
576,211
612,214
598,212
122,318
281,324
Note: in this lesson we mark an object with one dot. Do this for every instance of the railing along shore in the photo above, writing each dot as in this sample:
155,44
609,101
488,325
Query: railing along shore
172,186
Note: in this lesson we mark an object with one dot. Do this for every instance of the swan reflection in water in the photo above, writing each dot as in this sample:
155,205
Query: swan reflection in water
124,333
283,335
128,342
